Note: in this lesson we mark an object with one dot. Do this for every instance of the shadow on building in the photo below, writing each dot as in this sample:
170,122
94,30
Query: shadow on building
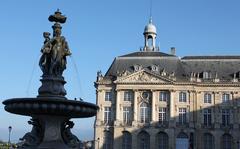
211,126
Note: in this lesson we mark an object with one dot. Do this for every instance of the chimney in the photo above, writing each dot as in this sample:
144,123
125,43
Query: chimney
173,51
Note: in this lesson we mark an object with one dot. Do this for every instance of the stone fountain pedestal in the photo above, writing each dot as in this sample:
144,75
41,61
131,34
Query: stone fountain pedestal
51,111
51,125
53,132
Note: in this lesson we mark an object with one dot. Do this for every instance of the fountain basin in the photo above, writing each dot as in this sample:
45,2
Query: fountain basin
54,106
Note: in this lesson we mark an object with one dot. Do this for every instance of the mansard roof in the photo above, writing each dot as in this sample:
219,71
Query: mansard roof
222,67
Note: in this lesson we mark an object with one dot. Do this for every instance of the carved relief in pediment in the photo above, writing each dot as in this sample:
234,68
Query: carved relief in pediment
142,77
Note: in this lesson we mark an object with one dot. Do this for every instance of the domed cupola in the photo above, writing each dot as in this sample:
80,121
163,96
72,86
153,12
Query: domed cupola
150,33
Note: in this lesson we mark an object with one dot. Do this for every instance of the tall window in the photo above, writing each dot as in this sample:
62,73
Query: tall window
207,115
225,117
225,97
208,141
126,115
162,140
227,141
182,97
128,96
182,115
127,140
143,140
107,115
162,115
108,96
107,140
207,98
144,113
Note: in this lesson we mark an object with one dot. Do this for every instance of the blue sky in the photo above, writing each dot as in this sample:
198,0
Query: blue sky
97,31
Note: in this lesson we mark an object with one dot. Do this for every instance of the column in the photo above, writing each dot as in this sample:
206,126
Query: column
154,98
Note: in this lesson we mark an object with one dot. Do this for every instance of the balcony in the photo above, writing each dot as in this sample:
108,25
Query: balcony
182,124
162,124
207,126
226,126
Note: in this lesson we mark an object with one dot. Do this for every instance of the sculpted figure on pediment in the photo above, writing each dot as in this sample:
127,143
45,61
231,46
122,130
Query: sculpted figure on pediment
123,73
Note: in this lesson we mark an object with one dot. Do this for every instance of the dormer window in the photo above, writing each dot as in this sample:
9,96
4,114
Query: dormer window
207,75
137,67
163,73
154,68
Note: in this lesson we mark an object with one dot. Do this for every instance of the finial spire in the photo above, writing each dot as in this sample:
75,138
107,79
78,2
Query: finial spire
150,13
150,20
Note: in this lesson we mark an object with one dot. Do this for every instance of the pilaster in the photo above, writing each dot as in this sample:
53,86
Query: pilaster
154,98
172,114
118,100
135,105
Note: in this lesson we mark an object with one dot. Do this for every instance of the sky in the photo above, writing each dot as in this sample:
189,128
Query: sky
97,31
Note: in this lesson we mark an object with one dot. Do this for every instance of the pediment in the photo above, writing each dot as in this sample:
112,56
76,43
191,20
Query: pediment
143,77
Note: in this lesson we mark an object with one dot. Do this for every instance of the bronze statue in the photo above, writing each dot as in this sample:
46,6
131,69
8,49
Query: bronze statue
54,51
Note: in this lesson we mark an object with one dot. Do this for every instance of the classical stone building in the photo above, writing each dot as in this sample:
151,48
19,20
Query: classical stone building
154,100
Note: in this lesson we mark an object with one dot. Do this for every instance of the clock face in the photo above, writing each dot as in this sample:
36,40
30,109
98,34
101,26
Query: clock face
145,95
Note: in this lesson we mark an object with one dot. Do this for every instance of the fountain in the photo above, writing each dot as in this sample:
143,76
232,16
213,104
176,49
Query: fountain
51,111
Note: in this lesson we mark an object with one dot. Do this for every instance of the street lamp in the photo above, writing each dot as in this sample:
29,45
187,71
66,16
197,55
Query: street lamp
9,134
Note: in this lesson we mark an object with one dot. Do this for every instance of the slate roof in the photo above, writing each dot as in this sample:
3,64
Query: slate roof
224,66
147,54
211,57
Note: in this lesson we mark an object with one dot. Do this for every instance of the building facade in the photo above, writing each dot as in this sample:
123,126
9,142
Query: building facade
154,100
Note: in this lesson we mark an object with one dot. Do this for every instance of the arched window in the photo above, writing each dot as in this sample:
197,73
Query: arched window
127,140
208,141
143,140
227,141
162,140
182,135
144,113
150,41
107,140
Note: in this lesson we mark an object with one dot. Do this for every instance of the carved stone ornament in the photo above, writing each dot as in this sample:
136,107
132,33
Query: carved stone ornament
123,73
